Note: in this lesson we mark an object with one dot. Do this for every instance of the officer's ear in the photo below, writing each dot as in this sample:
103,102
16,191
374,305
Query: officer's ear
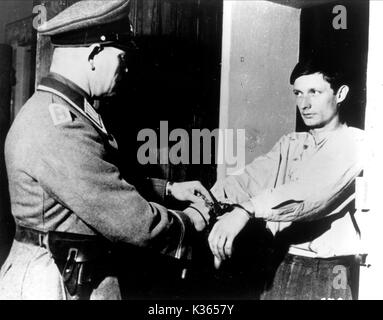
94,49
342,93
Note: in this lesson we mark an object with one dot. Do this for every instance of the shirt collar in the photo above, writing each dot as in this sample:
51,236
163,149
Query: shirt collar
321,136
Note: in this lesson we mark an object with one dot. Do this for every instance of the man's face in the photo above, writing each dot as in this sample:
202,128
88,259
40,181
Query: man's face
110,69
316,101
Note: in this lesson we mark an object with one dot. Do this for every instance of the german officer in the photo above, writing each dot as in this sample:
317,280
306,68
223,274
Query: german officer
68,198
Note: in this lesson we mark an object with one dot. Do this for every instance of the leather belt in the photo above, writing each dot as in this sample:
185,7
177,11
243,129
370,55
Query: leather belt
31,236
62,244
81,259
347,261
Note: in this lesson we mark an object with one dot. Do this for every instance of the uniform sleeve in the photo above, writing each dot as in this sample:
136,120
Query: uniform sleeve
258,175
77,170
322,184
154,188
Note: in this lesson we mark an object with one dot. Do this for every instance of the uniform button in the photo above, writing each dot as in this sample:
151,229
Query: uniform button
305,146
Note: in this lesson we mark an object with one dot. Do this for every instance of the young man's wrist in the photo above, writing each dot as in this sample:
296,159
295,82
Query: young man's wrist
248,208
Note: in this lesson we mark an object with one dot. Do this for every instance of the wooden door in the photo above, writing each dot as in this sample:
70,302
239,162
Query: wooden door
176,79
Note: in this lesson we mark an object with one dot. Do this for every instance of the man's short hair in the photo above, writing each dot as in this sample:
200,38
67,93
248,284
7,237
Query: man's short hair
329,68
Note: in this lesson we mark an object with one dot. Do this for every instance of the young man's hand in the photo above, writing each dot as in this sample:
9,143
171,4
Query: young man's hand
192,191
224,232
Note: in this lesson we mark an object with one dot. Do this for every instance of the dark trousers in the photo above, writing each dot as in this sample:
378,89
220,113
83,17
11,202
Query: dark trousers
303,278
261,268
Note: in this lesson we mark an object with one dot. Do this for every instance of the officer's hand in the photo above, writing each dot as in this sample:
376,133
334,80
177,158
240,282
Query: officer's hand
224,232
199,215
192,191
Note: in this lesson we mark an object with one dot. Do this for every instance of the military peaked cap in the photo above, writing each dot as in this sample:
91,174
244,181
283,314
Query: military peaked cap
91,21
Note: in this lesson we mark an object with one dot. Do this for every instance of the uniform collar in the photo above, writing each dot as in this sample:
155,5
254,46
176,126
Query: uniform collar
74,95
68,87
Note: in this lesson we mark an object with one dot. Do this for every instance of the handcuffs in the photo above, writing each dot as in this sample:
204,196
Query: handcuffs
217,208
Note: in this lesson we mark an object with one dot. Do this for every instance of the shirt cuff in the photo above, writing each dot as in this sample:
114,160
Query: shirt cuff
260,210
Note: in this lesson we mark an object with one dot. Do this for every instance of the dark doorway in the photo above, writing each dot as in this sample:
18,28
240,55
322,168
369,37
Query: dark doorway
173,77
7,80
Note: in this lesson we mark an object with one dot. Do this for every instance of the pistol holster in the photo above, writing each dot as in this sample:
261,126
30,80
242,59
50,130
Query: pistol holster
80,259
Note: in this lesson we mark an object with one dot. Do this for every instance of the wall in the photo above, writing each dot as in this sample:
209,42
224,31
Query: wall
11,11
260,48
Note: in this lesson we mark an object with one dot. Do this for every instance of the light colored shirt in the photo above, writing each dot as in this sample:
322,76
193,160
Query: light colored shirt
305,182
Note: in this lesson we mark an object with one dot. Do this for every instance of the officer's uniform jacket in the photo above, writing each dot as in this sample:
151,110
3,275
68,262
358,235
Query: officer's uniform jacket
63,176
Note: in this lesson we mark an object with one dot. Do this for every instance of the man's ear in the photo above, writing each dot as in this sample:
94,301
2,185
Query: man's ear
342,93
93,50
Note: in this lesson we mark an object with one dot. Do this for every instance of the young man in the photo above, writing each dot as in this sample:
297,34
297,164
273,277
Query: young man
68,198
302,188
